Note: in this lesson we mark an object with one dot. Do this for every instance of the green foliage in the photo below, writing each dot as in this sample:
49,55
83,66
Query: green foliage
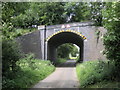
64,50
25,14
9,32
91,72
106,84
76,12
74,51
82,11
96,12
112,38
28,18
78,59
31,71
60,61
10,55
51,13
112,24
14,9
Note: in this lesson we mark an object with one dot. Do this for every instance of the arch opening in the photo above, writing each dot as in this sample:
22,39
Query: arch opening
62,38
68,51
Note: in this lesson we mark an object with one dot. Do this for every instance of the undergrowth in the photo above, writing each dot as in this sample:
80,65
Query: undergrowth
29,72
91,72
106,84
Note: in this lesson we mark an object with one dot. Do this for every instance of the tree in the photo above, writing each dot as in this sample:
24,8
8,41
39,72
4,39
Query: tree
76,12
26,14
112,38
96,12
11,53
14,9
65,49
51,13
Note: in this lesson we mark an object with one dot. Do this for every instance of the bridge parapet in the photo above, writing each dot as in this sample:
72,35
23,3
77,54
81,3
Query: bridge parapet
53,29
77,24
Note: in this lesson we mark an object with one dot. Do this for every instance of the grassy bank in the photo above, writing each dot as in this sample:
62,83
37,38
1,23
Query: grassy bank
29,73
105,84
97,74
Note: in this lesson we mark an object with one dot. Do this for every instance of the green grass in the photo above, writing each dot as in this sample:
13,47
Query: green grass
60,61
105,84
92,72
30,72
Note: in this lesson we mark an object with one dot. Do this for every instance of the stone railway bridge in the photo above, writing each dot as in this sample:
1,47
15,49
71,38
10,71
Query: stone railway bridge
44,42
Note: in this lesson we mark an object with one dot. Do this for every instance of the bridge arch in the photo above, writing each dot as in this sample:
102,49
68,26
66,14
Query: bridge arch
63,37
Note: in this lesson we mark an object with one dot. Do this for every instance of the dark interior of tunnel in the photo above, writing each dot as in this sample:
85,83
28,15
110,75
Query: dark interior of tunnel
62,38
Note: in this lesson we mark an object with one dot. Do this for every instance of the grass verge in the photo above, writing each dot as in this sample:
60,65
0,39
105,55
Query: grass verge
105,84
29,73
96,73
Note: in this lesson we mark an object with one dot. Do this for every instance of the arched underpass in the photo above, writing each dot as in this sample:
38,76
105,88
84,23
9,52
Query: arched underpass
62,38
69,77
43,44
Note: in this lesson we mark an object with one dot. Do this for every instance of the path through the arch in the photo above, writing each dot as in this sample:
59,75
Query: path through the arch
63,77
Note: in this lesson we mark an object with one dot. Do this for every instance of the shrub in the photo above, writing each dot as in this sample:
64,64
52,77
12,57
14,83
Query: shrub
10,55
91,72
112,37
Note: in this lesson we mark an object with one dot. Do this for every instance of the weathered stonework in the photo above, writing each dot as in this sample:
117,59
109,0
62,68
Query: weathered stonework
43,43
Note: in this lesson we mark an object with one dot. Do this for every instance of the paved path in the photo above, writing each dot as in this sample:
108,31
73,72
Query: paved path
63,77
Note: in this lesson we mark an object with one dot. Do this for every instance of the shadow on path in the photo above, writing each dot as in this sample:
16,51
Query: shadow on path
68,63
